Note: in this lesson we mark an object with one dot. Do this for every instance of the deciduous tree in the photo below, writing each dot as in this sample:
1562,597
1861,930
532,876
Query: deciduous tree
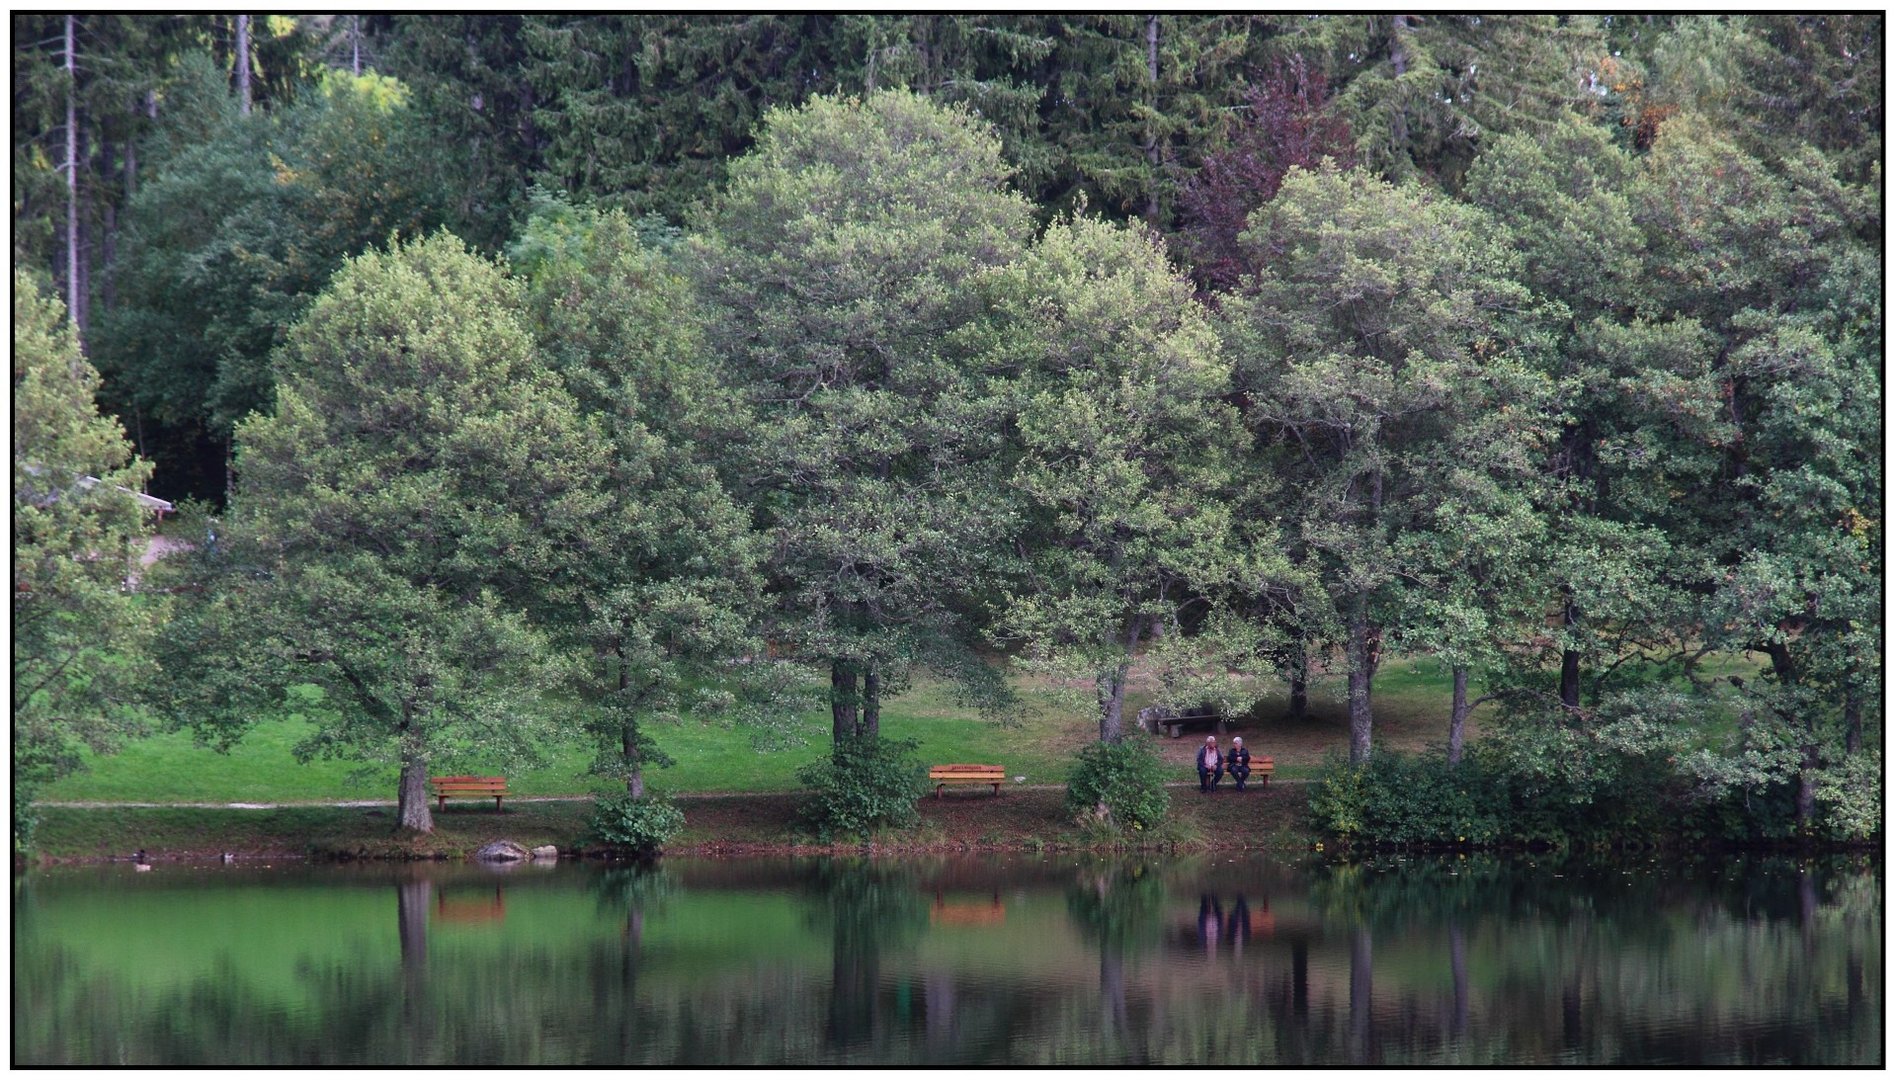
837,267
419,491
81,635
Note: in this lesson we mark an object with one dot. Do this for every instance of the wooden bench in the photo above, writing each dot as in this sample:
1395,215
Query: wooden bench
943,775
446,787
1175,725
1262,767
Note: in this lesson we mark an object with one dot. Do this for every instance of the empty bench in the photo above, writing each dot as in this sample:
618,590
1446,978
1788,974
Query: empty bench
943,775
477,787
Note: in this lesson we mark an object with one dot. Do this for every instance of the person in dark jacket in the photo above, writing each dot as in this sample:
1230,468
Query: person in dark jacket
1238,762
1210,765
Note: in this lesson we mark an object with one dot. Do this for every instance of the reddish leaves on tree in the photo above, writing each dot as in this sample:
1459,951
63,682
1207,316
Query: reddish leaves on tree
1287,125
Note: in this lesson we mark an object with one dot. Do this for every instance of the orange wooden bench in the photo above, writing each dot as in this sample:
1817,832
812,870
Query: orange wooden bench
943,775
446,787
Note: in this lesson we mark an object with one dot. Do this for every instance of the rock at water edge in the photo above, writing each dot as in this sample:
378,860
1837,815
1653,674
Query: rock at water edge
502,851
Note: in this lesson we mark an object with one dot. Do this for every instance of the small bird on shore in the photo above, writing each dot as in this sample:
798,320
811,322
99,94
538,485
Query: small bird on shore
140,860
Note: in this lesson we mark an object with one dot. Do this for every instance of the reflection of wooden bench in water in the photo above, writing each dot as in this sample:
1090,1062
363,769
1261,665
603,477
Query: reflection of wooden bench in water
966,912
940,775
470,909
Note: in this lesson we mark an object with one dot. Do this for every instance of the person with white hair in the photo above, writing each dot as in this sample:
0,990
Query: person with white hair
1238,762
1210,765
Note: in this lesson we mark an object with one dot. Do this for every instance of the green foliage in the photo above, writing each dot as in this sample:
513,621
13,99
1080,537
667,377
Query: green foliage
866,785
640,826
670,589
402,519
1403,799
1128,462
1850,798
1387,353
835,269
225,248
1626,773
81,636
1126,777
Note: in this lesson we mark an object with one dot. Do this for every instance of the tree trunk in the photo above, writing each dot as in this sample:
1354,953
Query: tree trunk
355,45
1852,718
1458,973
1300,980
413,899
72,178
1360,717
1570,661
1362,975
1399,59
871,725
1457,715
1152,124
1111,688
629,732
1807,789
412,804
842,702
108,254
1299,681
634,772
1112,990
243,64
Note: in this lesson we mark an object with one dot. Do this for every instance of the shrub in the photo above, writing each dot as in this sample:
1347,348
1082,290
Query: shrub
865,785
1850,797
640,827
1402,799
25,818
1126,777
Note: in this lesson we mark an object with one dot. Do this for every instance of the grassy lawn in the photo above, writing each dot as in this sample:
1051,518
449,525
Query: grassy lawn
1410,699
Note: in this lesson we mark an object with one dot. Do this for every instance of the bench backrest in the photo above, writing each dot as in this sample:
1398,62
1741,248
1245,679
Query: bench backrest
469,783
947,772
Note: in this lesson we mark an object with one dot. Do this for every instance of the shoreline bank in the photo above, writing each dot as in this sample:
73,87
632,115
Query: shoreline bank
1025,818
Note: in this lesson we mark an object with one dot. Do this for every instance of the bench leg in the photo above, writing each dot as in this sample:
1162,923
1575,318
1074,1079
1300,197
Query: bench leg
497,799
442,808
997,791
938,788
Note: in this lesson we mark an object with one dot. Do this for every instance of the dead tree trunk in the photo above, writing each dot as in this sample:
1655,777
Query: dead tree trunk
243,64
73,311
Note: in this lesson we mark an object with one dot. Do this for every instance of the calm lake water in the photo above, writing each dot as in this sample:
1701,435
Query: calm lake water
968,961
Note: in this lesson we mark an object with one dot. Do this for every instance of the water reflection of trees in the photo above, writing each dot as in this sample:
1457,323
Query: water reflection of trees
866,907
1601,962
1429,961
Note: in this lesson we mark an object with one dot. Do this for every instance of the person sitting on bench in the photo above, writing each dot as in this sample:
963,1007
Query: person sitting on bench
1210,765
1238,762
